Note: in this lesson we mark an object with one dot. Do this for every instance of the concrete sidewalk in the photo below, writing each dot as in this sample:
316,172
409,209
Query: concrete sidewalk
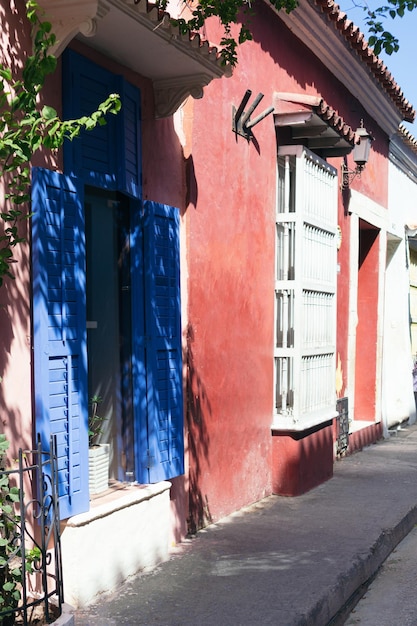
283,561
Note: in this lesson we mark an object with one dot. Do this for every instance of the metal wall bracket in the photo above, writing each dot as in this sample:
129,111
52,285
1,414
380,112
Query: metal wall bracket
241,123
348,175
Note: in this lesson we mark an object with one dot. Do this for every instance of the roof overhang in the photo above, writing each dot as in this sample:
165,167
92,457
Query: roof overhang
311,26
313,124
142,38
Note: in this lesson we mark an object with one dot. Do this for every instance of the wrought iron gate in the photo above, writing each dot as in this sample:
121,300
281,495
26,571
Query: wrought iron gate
30,526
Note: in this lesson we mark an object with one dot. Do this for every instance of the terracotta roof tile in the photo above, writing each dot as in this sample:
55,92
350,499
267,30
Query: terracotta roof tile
408,138
290,102
377,67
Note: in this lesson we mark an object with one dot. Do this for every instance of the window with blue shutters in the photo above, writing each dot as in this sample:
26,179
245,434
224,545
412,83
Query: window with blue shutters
142,366
59,330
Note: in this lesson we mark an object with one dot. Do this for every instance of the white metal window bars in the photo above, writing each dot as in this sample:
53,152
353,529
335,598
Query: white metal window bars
305,289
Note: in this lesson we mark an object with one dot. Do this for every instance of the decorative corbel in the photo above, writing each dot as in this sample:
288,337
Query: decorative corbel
68,18
171,93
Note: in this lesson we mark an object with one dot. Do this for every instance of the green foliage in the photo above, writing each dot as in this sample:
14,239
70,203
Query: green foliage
95,421
10,569
25,128
11,574
381,39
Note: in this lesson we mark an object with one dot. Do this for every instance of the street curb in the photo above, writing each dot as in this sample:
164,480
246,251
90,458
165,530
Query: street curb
66,618
351,585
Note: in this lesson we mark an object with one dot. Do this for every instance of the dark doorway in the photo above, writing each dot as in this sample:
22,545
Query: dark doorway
109,323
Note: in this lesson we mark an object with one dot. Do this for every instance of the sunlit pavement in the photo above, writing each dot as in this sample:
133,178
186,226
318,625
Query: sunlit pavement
282,561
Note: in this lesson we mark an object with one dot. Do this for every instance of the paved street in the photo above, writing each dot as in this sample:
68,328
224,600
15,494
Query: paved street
391,599
284,561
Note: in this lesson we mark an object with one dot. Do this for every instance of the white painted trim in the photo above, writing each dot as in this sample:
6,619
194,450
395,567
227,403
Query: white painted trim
290,424
118,501
404,158
382,261
362,207
369,210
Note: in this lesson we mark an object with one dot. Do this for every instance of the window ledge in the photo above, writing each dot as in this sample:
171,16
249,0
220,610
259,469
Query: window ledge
357,425
119,496
291,424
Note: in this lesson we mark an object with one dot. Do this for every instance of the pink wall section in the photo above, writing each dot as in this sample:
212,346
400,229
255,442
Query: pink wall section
15,330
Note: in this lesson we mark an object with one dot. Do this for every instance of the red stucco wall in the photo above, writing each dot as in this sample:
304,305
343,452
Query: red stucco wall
301,461
366,337
231,271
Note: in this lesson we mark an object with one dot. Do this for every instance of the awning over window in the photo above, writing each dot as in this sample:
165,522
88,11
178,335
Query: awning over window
312,123
142,38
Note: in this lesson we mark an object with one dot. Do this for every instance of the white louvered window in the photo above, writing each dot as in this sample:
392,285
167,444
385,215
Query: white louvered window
305,290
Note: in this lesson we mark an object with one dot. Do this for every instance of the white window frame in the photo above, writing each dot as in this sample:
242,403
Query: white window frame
305,291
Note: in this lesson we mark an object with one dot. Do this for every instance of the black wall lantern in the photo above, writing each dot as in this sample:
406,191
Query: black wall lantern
361,151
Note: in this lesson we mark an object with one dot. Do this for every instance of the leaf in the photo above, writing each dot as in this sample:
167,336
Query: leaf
49,113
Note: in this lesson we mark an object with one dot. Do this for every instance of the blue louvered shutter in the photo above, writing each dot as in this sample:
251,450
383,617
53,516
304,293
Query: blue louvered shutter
58,254
108,156
129,133
91,156
164,457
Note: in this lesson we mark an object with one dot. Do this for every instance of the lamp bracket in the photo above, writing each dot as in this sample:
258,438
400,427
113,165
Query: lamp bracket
348,175
241,122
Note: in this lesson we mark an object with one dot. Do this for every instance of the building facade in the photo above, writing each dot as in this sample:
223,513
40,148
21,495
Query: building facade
197,266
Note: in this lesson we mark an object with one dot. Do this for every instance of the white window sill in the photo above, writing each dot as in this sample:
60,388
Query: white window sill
119,496
291,424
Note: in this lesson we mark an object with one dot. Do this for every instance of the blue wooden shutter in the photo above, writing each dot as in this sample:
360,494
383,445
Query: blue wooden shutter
129,133
58,262
108,156
92,155
164,457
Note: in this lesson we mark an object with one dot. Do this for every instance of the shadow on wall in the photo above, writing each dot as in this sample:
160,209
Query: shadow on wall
15,352
15,294
198,409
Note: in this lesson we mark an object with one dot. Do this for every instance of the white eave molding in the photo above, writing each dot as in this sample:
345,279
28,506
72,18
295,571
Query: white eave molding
404,158
313,28
133,35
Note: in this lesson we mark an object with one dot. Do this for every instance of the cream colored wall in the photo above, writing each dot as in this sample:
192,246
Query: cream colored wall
397,391
120,536
413,302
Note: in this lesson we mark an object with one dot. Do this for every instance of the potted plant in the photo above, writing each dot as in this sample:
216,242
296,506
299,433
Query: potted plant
98,453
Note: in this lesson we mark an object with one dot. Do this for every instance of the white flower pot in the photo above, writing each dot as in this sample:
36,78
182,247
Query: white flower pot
98,465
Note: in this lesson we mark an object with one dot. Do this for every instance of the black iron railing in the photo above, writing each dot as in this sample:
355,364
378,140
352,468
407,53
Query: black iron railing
30,526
